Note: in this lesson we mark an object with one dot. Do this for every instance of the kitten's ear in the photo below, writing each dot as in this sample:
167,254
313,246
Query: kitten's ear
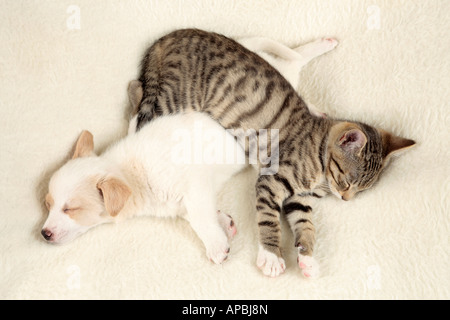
84,146
115,194
135,94
352,141
393,145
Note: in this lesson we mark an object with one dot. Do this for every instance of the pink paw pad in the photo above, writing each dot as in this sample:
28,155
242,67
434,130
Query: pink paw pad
331,42
232,228
308,266
227,224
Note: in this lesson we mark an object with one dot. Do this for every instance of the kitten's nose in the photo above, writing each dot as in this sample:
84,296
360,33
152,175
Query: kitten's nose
47,234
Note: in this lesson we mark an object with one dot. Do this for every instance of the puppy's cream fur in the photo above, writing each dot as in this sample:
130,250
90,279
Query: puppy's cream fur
138,176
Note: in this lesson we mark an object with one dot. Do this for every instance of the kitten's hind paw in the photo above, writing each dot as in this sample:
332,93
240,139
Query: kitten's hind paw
269,263
308,266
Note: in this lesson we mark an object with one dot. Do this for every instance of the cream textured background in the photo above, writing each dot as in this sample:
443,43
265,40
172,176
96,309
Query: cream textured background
389,242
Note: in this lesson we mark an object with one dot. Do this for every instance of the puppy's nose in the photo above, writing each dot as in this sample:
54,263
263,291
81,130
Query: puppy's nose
47,234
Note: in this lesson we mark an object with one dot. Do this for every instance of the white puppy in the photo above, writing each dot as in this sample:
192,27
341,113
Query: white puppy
157,171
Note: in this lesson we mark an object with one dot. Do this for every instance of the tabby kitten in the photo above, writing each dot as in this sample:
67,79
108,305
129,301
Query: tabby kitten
193,70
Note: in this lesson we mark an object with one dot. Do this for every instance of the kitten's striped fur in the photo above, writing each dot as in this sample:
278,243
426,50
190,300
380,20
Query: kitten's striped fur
193,70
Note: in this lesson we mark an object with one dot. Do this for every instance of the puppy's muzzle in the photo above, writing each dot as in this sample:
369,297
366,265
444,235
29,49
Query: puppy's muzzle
47,234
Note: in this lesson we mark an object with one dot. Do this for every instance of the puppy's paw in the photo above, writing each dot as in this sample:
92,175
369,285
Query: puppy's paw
269,263
308,266
316,112
328,43
217,250
227,224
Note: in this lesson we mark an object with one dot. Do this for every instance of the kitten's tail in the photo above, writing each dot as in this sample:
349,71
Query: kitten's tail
149,78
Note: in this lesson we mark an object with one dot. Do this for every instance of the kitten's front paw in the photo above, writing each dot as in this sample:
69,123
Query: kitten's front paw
309,266
217,250
269,263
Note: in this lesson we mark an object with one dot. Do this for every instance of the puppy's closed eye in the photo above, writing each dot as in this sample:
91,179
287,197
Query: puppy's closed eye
69,210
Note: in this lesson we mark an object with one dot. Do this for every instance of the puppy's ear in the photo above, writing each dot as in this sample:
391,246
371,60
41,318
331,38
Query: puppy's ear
115,194
84,146
135,94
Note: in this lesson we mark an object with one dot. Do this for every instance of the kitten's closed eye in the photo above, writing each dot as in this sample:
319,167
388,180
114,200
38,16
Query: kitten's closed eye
344,186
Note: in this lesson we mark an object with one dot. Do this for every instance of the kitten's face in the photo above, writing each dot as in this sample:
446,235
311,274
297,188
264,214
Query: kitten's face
357,154
348,175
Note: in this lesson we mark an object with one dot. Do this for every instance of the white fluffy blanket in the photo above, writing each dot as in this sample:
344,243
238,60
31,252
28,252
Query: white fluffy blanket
65,66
